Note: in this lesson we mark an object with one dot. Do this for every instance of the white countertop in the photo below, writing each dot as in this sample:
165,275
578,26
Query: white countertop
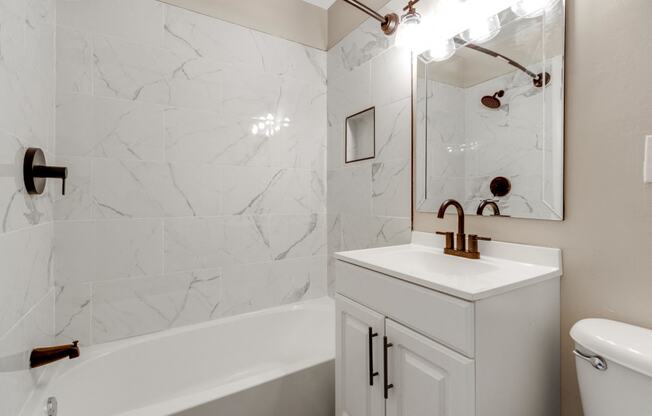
501,268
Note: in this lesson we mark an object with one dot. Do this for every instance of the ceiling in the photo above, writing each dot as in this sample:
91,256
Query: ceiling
324,4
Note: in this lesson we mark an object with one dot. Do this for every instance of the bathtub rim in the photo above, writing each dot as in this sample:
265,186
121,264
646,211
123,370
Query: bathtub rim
92,353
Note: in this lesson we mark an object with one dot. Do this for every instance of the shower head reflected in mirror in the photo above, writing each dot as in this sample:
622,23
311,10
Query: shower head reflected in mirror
493,101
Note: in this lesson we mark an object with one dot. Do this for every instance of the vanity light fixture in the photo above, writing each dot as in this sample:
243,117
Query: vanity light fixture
532,8
410,32
482,30
440,50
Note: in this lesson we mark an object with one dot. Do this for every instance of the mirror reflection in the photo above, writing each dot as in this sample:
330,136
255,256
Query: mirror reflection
489,119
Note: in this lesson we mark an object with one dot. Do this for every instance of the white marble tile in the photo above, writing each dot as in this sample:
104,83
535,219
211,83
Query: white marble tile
201,136
438,189
139,73
26,257
356,232
74,251
350,94
74,61
73,313
38,74
194,35
334,233
391,183
394,131
357,48
298,236
77,203
195,136
351,191
131,307
318,277
104,250
291,192
249,190
389,231
248,239
249,94
361,232
346,96
395,64
16,115
194,243
19,210
250,287
318,195
134,20
118,129
283,57
292,280
266,191
245,288
17,380
152,189
128,248
300,144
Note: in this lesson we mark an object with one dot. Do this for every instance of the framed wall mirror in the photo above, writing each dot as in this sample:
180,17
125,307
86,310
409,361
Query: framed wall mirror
489,118
360,136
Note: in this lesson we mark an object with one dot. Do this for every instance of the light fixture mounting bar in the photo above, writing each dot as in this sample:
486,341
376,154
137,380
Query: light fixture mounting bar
388,23
366,9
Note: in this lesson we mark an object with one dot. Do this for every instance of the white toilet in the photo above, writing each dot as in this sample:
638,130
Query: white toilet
614,367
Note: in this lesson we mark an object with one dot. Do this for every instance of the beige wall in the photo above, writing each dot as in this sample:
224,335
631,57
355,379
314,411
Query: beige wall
607,235
294,20
343,19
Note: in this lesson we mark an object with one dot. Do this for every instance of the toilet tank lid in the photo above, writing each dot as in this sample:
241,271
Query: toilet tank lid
627,345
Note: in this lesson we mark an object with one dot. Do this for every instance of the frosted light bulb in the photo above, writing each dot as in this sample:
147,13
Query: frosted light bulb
440,50
532,8
482,30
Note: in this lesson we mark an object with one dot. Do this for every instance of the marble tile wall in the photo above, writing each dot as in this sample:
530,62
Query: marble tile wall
27,54
197,152
369,202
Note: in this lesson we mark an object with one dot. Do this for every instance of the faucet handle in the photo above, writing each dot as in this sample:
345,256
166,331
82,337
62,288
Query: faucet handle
449,238
473,242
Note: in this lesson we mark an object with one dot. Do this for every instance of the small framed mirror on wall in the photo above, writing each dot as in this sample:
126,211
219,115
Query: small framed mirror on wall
360,136
489,117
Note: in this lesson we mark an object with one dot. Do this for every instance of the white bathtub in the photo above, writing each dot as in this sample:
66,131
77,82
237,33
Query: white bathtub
277,361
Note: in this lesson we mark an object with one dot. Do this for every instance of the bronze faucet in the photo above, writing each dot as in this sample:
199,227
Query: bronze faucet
460,249
488,203
47,355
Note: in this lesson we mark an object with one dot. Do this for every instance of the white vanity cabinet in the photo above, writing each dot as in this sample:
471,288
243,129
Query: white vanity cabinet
406,349
423,377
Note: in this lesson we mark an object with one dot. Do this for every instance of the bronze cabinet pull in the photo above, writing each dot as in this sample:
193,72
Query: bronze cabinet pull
372,373
386,385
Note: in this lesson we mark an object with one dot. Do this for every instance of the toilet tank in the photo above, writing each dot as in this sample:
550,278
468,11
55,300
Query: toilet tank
614,367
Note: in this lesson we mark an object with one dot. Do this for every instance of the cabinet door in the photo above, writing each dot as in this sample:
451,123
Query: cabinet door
355,395
428,379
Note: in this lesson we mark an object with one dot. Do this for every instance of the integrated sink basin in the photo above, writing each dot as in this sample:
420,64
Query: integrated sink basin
502,267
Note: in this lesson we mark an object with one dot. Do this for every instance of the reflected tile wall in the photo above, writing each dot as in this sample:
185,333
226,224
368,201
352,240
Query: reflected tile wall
369,201
469,145
27,86
178,210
